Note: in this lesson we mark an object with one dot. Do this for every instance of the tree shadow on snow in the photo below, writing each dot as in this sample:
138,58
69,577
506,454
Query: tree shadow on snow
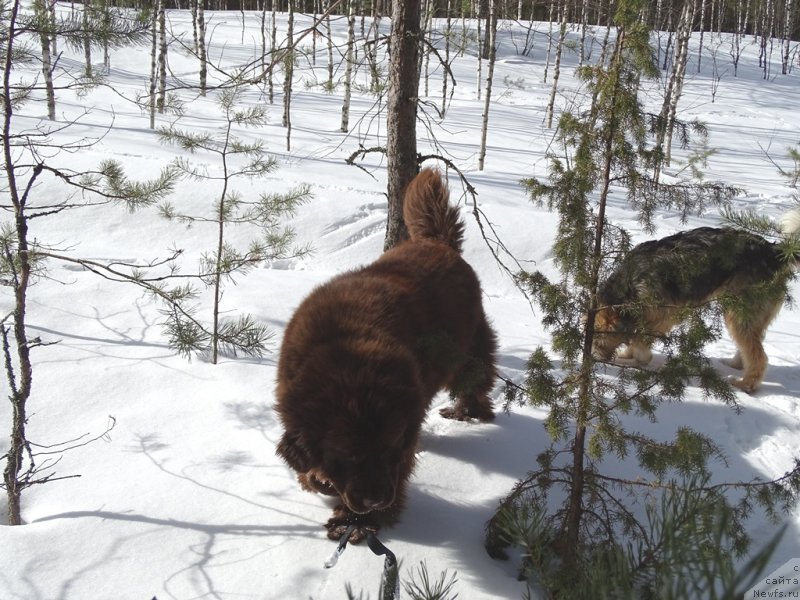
509,447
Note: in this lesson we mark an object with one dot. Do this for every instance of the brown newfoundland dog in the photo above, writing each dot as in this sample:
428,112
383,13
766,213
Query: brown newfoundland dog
364,355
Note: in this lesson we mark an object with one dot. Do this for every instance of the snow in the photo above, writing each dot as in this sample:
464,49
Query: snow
185,497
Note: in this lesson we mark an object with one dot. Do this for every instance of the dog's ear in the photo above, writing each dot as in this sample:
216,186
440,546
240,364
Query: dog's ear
291,449
607,320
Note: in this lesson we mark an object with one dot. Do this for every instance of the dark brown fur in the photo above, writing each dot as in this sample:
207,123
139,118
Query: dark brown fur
647,295
364,355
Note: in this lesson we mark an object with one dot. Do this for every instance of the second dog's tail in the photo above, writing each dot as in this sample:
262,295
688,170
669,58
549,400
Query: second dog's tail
790,222
790,226
427,211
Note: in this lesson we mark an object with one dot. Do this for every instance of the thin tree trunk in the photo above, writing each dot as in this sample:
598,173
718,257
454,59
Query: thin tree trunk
401,116
263,33
492,35
584,25
574,513
201,45
47,68
372,51
787,35
557,67
348,72
153,64
426,51
87,43
288,75
736,38
447,34
19,382
330,44
478,50
51,9
314,38
193,5
105,15
162,58
221,212
274,47
702,33
549,41
675,83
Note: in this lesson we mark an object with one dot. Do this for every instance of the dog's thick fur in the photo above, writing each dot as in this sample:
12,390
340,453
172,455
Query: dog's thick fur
364,355
648,293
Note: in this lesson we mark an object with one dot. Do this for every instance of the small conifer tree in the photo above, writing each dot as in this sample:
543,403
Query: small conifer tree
595,534
31,156
234,159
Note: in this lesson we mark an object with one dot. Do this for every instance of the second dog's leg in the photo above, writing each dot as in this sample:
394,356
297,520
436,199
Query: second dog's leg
747,331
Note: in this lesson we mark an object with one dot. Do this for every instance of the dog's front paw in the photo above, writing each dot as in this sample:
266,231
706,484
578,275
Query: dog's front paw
461,413
746,385
343,518
312,482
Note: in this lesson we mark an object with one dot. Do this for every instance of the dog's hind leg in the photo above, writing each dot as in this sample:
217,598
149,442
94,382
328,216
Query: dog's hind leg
747,331
734,362
474,379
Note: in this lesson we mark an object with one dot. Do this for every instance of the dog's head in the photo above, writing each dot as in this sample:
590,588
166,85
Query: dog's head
355,431
609,333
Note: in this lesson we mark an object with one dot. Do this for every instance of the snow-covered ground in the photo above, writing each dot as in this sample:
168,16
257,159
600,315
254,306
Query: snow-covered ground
185,498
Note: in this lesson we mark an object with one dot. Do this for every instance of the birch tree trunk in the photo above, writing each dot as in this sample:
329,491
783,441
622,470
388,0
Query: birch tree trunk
153,64
736,38
491,35
201,44
314,37
584,25
372,51
401,115
47,61
702,32
427,28
51,9
549,41
288,73
329,85
162,58
263,33
273,47
557,66
87,42
675,84
348,72
193,6
478,50
767,34
447,34
787,35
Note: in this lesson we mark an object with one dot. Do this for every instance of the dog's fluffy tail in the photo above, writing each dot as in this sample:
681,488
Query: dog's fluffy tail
427,211
790,222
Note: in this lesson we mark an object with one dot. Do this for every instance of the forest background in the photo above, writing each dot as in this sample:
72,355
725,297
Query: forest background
204,124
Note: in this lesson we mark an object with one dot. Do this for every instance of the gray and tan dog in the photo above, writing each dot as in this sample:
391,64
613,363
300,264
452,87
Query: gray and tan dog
648,293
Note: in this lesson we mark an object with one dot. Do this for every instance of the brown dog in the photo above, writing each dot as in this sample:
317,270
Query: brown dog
648,293
364,355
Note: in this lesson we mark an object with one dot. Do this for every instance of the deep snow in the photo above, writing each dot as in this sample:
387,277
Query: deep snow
185,497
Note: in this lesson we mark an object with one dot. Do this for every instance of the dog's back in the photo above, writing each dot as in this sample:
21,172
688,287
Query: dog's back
691,267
